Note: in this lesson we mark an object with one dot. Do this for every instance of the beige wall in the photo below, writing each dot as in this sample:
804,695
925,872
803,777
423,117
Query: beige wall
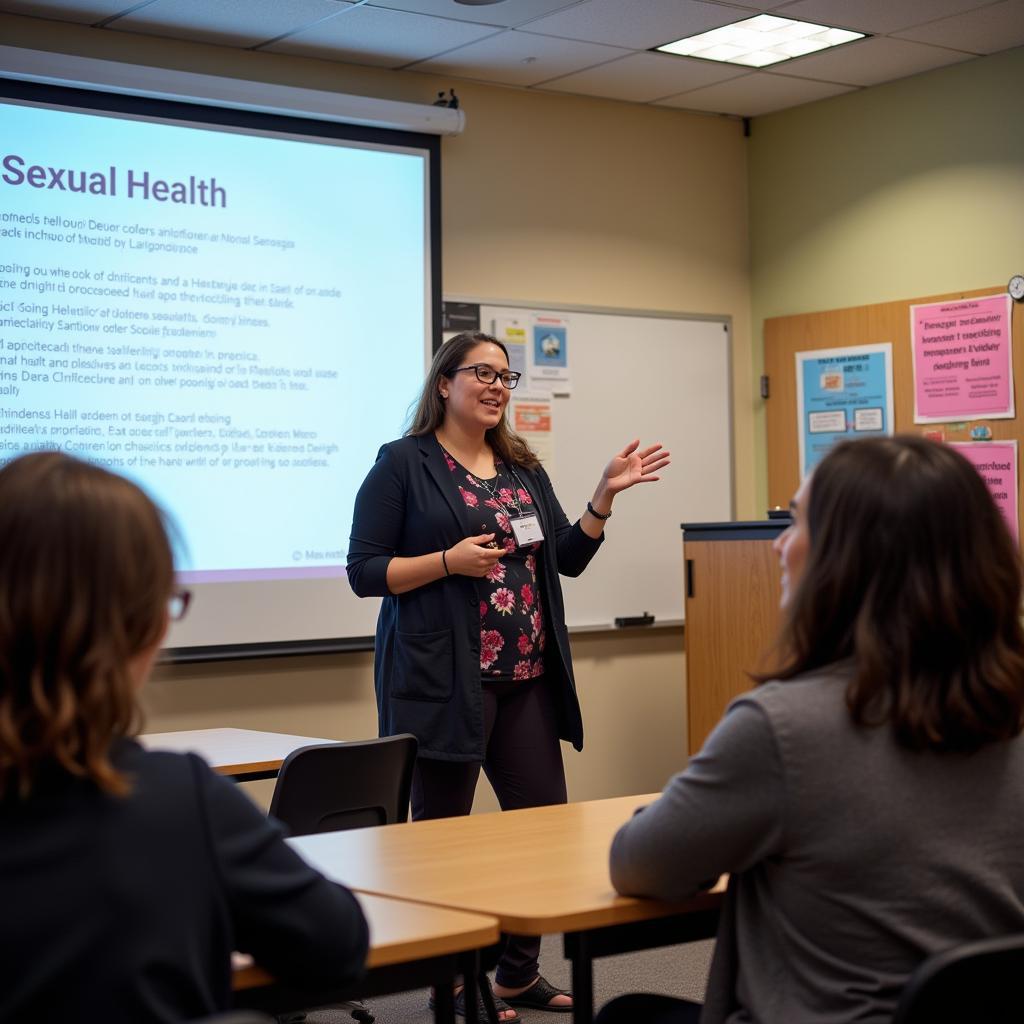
631,692
545,198
908,189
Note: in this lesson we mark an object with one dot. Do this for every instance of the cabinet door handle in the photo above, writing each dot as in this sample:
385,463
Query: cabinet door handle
689,577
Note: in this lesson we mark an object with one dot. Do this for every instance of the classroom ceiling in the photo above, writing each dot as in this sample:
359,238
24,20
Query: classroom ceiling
587,47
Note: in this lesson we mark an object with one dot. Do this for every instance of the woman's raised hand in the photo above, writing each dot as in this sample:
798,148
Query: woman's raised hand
473,556
634,465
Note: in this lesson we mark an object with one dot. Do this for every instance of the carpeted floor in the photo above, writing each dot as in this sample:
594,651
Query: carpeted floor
673,970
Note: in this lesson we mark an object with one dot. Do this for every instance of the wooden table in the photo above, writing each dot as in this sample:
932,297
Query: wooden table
539,871
412,945
244,754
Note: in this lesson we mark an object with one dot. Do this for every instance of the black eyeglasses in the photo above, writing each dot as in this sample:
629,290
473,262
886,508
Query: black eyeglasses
177,604
488,375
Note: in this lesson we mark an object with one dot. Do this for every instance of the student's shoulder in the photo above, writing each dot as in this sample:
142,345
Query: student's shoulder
131,756
171,794
814,698
164,773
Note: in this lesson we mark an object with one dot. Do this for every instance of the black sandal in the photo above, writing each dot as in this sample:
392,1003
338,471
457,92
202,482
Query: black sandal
538,997
500,1007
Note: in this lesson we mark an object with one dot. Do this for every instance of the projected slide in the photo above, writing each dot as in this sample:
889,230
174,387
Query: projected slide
235,320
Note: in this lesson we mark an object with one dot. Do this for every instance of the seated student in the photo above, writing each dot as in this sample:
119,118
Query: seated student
867,800
126,877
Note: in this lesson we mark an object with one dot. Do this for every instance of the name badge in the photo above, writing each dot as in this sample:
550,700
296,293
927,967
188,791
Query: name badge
527,529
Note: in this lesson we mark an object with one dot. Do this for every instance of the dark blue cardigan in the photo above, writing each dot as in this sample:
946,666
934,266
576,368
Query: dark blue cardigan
427,659
125,910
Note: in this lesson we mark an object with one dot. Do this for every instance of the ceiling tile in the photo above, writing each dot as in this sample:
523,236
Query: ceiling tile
637,26
83,12
227,22
519,58
643,77
755,94
392,39
871,61
994,28
876,16
505,15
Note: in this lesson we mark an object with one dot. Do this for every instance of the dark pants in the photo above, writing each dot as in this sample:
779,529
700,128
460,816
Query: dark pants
524,767
644,1008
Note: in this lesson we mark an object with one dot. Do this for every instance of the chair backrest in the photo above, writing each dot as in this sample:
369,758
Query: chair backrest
328,787
977,983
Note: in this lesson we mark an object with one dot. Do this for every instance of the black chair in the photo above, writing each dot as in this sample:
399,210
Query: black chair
977,983
330,787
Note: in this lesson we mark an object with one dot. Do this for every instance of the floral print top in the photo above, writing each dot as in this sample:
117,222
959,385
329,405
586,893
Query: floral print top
512,637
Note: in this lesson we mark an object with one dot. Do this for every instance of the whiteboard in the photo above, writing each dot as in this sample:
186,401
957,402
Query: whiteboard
659,377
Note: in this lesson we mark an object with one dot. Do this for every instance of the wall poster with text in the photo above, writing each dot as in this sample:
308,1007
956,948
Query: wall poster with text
549,363
513,334
996,461
963,360
842,393
531,419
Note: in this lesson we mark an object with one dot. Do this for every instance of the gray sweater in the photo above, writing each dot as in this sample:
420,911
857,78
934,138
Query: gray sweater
851,858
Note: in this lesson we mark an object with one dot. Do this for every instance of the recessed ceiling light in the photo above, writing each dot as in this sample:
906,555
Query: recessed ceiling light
479,3
758,42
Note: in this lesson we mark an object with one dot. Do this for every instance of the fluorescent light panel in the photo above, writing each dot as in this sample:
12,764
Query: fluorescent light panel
758,42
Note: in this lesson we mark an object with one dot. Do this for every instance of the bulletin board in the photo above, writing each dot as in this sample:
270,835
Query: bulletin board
863,325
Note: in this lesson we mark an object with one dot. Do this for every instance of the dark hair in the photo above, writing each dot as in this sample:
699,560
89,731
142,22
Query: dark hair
430,408
85,574
912,573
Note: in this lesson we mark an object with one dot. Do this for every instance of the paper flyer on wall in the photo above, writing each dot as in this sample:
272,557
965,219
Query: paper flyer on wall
963,360
841,393
996,461
549,355
513,332
531,418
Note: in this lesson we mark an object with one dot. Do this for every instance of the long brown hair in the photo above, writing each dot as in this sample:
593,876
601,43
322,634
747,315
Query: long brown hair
430,408
912,573
85,574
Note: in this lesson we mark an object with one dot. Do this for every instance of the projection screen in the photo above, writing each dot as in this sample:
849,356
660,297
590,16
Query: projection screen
232,309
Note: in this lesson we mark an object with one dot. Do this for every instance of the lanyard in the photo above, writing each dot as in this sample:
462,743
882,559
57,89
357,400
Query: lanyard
525,526
494,492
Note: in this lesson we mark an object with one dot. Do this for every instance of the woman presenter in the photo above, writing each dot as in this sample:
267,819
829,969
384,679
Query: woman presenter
458,528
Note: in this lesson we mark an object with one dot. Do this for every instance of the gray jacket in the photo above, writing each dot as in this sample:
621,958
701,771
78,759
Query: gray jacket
852,858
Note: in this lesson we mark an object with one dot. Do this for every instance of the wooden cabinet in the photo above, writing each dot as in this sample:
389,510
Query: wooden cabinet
732,614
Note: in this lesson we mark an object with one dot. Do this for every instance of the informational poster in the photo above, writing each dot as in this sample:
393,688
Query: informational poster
549,355
996,461
963,360
841,393
513,333
531,419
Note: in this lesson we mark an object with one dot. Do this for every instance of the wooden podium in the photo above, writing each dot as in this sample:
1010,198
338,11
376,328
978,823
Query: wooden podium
732,614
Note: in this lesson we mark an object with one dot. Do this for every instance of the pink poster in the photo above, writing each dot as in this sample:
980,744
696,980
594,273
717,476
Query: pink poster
996,461
963,361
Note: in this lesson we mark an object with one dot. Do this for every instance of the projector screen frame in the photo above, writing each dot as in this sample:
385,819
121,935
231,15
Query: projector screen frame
203,115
